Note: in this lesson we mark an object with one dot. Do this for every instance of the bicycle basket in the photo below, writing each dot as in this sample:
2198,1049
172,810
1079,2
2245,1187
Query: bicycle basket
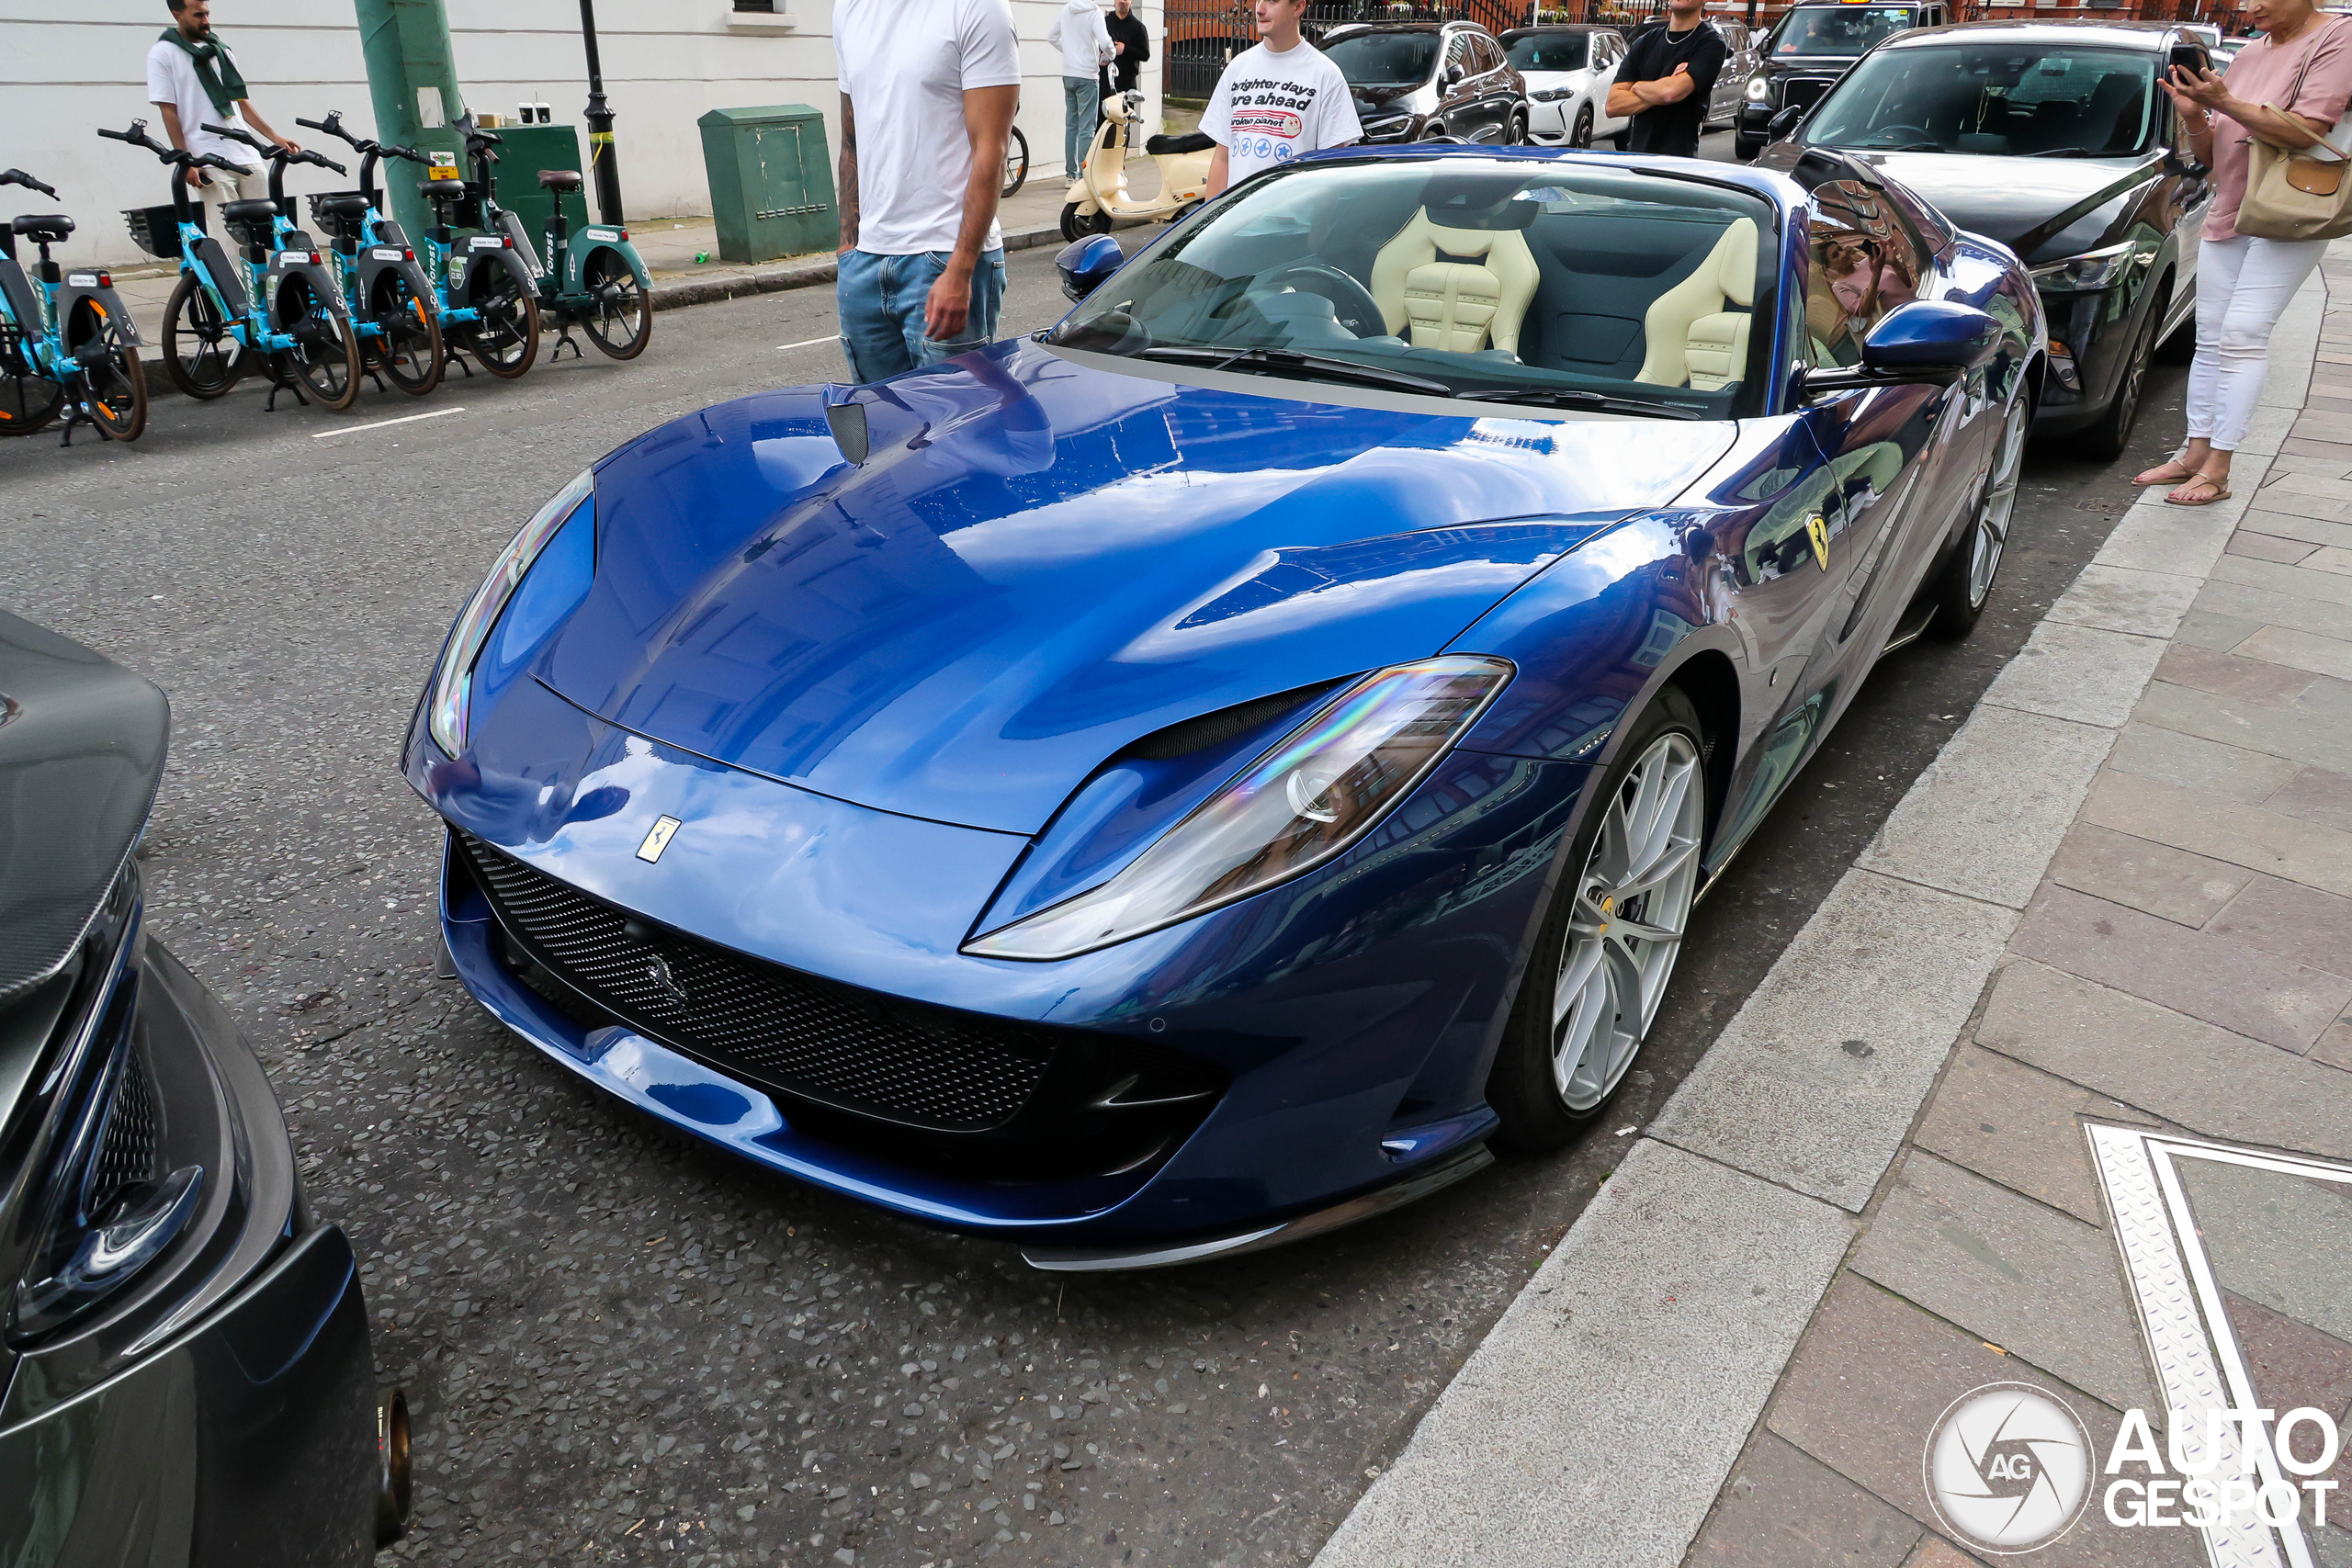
156,229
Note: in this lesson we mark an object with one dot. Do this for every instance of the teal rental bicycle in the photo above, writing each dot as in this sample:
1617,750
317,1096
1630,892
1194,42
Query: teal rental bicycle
65,340
597,283
489,300
282,314
393,300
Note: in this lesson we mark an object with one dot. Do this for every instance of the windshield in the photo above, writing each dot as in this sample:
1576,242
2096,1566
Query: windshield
1837,29
1548,51
1384,60
1995,99
1462,277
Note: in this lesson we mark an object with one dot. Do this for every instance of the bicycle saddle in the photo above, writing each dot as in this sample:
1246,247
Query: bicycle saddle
564,180
442,190
341,204
262,211
52,226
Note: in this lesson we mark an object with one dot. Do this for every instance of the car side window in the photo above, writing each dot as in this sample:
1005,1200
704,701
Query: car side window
1864,263
1483,57
1457,52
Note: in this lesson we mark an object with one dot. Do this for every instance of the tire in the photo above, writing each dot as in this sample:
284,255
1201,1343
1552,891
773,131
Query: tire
115,380
199,356
1581,136
326,355
1515,128
28,400
2106,439
1077,225
410,350
505,342
623,323
1016,161
1965,583
1563,1061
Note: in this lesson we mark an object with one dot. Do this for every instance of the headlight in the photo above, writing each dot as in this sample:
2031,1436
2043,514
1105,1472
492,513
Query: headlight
1759,90
1552,95
452,678
1303,802
2091,270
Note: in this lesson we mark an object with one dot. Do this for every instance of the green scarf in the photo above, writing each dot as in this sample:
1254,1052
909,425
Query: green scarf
219,73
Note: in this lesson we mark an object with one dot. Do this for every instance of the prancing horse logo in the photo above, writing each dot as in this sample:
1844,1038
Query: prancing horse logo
657,969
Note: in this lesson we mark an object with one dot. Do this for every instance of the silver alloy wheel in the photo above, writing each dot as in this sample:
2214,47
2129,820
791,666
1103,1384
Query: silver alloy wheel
1990,532
1633,904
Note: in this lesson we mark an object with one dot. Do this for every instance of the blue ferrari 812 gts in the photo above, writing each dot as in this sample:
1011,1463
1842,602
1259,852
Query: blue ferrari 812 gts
1209,771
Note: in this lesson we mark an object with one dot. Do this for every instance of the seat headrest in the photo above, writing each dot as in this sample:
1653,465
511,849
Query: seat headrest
1732,264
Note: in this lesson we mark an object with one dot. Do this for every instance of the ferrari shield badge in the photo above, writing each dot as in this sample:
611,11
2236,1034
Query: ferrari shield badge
1814,529
665,827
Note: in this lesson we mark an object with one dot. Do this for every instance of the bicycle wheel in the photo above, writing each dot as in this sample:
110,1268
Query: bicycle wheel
28,400
200,355
113,379
1016,161
326,355
409,351
623,319
506,340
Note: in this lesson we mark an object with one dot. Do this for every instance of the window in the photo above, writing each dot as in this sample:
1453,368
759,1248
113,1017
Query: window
1847,30
1384,60
1553,52
1999,99
1864,263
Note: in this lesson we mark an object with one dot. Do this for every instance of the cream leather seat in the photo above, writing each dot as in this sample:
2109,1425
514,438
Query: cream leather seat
1460,306
1691,336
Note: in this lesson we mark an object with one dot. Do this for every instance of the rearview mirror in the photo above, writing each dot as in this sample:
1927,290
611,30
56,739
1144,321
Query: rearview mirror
1931,341
1087,264
1454,75
1786,121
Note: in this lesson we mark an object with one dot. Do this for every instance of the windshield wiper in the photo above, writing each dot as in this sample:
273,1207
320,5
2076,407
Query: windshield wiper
1315,364
2071,153
1579,398
1904,147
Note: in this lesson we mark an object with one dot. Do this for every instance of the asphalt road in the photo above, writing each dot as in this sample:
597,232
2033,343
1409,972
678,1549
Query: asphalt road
624,1347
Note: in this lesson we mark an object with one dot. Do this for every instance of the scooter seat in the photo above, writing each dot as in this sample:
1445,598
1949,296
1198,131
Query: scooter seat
1194,141
47,229
442,190
263,211
341,204
563,181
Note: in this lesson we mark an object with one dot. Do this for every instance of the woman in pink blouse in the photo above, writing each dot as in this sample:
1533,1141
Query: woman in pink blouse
2243,282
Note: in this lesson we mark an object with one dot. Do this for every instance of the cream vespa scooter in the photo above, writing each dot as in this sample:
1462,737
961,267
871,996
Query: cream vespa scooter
1100,193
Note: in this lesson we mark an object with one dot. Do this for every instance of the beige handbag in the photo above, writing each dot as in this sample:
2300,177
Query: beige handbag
2301,195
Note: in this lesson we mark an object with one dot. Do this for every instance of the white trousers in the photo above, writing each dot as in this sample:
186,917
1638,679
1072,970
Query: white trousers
2243,284
224,186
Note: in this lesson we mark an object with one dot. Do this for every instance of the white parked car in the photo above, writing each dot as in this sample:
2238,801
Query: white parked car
1567,71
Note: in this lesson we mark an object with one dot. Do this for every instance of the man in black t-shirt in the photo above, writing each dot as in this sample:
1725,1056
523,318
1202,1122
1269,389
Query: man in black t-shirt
1131,42
1667,77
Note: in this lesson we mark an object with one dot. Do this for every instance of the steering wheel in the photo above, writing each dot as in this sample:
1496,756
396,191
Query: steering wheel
1892,134
1352,302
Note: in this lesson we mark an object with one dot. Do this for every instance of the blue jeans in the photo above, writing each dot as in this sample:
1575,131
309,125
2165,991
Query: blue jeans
881,303
1081,112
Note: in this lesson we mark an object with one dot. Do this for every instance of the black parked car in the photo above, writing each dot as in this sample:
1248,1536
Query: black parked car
1423,81
1814,44
2054,139
183,1347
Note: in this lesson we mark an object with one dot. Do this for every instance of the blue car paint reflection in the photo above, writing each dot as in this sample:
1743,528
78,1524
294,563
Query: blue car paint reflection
892,704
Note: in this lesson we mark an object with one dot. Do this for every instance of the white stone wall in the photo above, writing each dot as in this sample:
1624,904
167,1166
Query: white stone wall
69,66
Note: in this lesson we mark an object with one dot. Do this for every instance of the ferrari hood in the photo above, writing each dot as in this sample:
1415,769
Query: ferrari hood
1040,561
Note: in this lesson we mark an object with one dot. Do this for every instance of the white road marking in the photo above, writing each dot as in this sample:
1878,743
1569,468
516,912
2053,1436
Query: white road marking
404,419
807,343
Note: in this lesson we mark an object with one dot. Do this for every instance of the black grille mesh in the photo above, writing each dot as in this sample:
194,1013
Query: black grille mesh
127,1158
772,1025
1804,92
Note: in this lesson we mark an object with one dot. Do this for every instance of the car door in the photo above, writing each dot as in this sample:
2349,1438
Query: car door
1607,54
1723,100
1457,91
1499,87
2184,196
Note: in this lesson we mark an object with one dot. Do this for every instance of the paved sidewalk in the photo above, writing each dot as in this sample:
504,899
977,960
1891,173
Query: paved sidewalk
2121,894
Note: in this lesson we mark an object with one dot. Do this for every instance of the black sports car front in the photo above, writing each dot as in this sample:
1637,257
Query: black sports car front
185,1370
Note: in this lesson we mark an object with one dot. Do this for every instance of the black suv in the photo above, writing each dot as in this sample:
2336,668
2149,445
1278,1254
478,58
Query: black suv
1430,81
1815,44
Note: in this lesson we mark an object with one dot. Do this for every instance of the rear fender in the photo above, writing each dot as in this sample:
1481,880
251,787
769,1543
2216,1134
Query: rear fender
375,261
483,250
283,265
81,287
594,238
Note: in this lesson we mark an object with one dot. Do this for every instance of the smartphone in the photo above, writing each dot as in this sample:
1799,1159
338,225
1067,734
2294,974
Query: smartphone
2190,56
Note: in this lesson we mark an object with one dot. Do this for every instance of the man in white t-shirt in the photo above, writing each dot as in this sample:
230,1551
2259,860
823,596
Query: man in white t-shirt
1084,38
932,85
194,80
1279,98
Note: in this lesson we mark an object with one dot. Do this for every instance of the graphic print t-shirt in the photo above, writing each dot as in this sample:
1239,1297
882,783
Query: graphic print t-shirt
1268,108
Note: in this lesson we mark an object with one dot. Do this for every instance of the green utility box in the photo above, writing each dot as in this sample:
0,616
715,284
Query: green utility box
522,153
771,182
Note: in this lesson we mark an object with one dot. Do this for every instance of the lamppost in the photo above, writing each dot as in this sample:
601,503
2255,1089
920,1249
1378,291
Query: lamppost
601,157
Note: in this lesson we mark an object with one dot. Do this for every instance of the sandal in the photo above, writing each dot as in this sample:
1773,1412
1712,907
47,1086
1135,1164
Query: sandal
2156,476
2207,479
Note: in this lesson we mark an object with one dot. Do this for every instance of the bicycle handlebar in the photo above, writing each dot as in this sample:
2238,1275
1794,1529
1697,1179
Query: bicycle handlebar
18,177
277,151
239,133
411,153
